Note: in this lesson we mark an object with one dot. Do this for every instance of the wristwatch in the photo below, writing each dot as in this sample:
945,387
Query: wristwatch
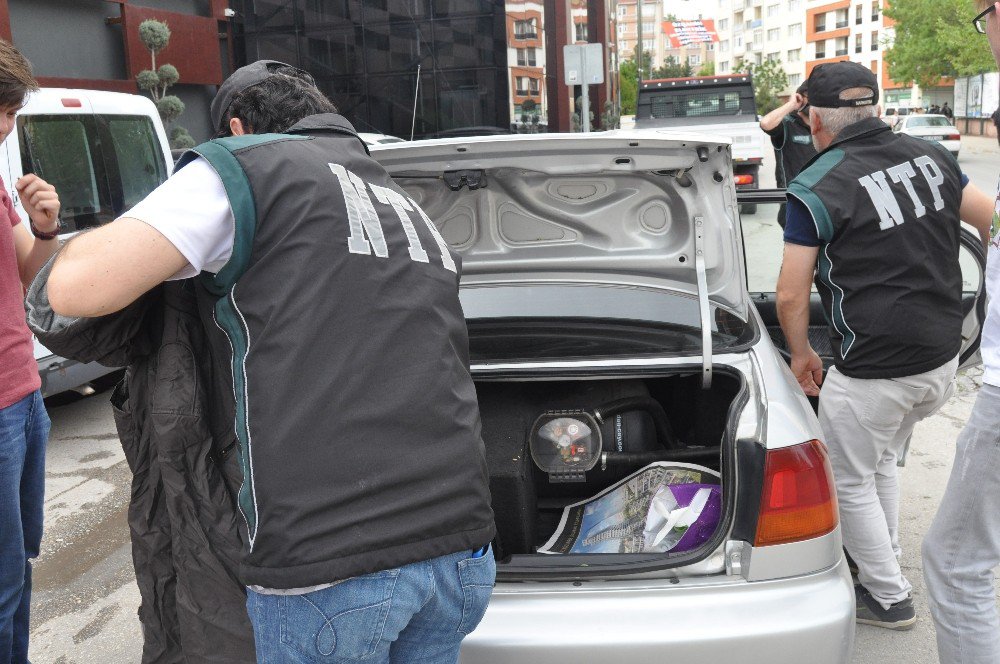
51,235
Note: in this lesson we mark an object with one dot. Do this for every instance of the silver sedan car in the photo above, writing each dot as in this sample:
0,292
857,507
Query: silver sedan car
603,279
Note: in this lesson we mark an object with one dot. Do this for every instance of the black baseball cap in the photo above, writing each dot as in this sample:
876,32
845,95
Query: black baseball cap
803,89
828,81
247,77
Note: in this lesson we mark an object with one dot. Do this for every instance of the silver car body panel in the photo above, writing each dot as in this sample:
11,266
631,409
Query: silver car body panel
806,618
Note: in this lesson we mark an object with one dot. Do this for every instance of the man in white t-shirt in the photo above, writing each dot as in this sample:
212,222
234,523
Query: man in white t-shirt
963,544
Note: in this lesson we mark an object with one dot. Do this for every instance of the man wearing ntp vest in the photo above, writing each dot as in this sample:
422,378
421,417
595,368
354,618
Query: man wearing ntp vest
365,491
788,127
875,218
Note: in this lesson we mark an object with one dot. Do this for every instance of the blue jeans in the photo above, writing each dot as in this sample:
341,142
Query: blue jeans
417,614
24,428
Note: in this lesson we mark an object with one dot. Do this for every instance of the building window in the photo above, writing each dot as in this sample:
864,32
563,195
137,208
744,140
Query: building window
774,34
874,40
526,57
526,86
821,49
724,24
623,11
648,44
841,18
724,66
758,37
694,59
649,10
859,14
526,29
581,31
875,9
794,5
772,10
724,46
858,47
622,29
795,30
841,46
794,80
774,57
795,55
820,22
649,28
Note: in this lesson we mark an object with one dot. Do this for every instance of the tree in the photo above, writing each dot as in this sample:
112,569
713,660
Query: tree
155,35
934,38
575,119
628,80
673,69
707,69
768,80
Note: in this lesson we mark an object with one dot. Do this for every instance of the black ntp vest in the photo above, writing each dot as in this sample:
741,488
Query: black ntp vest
356,414
886,212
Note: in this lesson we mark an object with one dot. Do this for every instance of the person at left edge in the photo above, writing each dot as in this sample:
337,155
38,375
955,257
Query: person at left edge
788,127
365,495
24,424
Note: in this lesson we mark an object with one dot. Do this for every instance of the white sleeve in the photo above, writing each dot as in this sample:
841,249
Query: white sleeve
191,210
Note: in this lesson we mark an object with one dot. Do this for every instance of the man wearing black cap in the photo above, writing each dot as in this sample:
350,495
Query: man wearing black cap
875,218
365,498
788,127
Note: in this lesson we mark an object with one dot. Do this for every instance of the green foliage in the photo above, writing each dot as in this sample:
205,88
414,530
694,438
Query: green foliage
673,69
935,38
154,35
628,86
609,118
167,75
577,123
768,80
707,69
147,79
170,108
180,139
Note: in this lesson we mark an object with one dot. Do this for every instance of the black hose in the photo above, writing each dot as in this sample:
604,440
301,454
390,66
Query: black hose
664,432
633,459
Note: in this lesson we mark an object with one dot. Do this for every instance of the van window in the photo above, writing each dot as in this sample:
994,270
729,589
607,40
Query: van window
100,165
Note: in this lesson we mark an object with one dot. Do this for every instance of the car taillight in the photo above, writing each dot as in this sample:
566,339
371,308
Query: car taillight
953,137
69,102
744,179
799,501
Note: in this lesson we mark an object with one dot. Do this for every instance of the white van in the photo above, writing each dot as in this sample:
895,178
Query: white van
103,152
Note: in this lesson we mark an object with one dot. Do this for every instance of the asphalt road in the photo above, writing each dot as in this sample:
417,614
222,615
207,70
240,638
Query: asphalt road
85,599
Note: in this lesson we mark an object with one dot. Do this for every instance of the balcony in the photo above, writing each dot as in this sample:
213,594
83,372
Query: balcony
840,51
533,34
820,55
841,24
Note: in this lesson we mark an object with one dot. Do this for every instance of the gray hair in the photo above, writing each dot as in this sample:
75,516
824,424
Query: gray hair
835,120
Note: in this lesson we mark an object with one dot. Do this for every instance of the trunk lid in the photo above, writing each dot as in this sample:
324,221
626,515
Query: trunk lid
625,208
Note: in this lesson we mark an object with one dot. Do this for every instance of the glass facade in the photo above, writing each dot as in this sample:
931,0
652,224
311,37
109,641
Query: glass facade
365,56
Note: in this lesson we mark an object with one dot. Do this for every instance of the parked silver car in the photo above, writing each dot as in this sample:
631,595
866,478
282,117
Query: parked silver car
606,269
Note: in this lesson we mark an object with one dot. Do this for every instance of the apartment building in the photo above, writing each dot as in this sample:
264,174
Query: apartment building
759,30
858,30
651,26
526,61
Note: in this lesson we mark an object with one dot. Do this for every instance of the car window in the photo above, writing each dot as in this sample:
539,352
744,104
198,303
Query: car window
764,244
918,121
547,321
673,105
100,165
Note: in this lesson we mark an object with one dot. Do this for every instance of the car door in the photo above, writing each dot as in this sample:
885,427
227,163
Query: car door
763,245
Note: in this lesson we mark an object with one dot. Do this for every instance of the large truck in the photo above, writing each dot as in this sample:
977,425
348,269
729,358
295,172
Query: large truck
717,105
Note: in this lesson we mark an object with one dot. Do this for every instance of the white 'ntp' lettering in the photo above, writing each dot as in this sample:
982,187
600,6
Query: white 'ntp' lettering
446,259
904,173
361,215
401,205
934,177
882,197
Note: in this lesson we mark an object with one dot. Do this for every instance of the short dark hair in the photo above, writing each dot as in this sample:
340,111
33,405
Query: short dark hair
16,79
275,104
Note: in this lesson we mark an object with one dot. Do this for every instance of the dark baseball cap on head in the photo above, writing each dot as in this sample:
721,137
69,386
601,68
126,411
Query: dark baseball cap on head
243,78
827,82
803,89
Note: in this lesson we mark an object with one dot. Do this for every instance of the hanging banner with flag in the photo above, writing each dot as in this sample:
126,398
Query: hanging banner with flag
686,33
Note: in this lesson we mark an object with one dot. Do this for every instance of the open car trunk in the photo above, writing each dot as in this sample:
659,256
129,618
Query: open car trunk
529,503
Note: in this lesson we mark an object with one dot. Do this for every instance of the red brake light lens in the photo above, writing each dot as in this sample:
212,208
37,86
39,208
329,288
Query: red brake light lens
799,501
953,137
744,179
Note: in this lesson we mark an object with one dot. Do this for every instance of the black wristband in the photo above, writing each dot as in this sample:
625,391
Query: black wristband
51,235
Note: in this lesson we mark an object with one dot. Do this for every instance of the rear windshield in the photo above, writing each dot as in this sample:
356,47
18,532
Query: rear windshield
917,121
513,322
694,104
101,165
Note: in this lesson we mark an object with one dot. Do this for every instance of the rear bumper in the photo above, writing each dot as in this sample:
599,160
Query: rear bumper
802,619
59,374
